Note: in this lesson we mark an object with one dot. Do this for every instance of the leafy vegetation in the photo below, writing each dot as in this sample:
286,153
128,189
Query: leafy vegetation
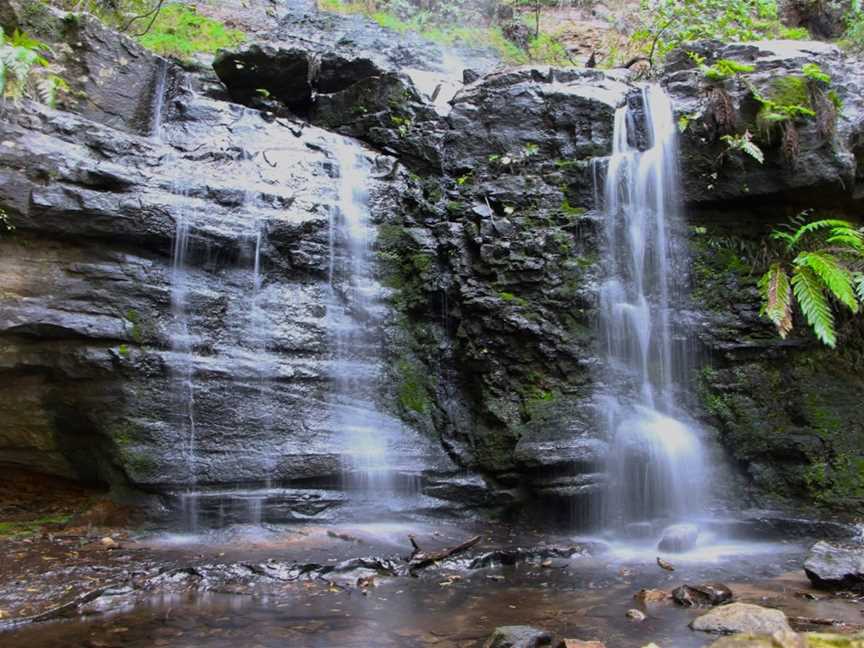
744,144
674,22
720,70
451,24
822,267
180,31
24,70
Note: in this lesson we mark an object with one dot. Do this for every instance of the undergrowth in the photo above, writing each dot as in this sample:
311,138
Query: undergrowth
180,31
545,48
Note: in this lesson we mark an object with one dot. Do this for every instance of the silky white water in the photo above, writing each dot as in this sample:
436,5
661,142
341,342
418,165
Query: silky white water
366,432
655,466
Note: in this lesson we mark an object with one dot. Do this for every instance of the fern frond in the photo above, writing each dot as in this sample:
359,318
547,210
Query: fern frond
859,286
777,298
808,290
847,236
815,226
835,277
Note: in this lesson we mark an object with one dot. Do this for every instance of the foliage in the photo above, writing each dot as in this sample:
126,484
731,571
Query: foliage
822,265
453,23
814,72
180,31
744,144
24,70
853,39
721,69
674,22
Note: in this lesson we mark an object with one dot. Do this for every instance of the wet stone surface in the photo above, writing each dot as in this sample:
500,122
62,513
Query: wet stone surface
342,586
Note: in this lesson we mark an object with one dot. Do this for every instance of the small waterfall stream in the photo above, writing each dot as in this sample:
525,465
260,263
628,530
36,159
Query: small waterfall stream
656,466
365,431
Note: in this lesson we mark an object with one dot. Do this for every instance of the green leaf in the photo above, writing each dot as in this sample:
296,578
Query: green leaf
808,290
815,226
777,298
813,71
835,277
859,285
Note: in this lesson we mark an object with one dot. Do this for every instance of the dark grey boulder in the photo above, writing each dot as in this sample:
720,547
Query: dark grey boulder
703,594
836,566
518,637
280,73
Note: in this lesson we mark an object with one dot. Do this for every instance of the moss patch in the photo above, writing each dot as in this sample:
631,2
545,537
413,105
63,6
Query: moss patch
180,31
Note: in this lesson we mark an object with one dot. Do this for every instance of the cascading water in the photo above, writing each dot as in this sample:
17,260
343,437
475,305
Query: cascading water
656,467
367,433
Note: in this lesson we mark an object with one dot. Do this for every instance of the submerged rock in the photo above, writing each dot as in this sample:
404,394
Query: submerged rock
678,538
836,566
702,595
518,637
635,615
742,617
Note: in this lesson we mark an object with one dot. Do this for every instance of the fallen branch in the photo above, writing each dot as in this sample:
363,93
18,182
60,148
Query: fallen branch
419,559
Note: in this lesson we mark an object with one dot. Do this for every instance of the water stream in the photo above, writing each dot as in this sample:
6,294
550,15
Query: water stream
365,431
655,466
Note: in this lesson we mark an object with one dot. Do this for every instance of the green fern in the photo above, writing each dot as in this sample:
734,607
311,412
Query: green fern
814,305
777,298
836,278
25,72
745,144
824,259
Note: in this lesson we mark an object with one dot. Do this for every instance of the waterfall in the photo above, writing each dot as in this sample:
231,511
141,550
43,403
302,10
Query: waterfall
366,432
182,362
655,465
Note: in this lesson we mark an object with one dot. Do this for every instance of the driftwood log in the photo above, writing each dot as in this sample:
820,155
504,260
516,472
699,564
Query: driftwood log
420,559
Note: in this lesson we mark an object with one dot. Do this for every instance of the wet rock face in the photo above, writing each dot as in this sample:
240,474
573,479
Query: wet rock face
488,244
112,79
825,161
834,566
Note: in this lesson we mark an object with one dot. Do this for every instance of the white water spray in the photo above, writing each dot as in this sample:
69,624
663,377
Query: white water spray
656,465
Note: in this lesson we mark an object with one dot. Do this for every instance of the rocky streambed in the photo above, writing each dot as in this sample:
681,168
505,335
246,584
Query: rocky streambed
350,586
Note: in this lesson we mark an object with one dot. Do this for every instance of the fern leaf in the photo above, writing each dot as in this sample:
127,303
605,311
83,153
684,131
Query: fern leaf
847,236
859,286
815,226
835,277
807,288
777,298
752,150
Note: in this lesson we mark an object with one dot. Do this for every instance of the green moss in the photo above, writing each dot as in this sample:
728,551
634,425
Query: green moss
180,31
138,461
511,298
413,386
421,262
31,527
135,331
